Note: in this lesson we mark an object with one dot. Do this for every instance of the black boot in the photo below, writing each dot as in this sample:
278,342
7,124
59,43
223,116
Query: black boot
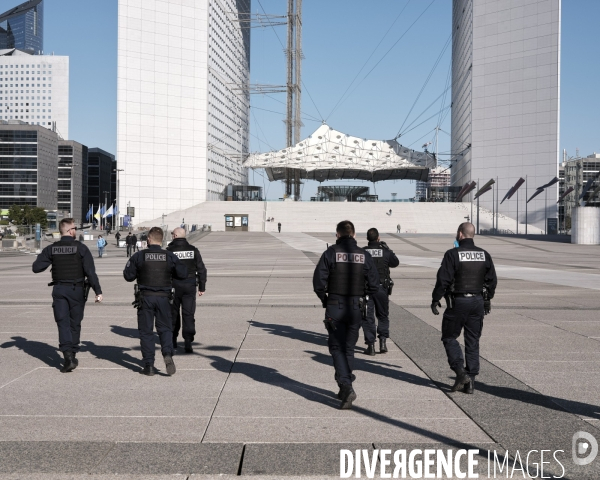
69,365
149,370
370,350
188,346
339,395
174,342
382,345
461,379
169,364
470,386
348,395
75,361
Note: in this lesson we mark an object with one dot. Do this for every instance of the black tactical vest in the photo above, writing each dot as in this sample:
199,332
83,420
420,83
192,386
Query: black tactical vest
186,253
155,270
67,264
470,276
348,275
379,259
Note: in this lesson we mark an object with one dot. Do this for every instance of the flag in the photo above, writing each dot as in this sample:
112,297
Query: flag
116,210
89,213
109,212
98,213
102,209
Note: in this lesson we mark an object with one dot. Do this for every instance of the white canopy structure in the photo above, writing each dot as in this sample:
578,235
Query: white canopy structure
331,155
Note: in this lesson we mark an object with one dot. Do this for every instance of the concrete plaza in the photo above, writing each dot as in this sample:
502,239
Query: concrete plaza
257,396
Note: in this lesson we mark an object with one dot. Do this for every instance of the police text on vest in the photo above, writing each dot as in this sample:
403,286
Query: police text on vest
471,256
375,252
185,255
350,258
155,257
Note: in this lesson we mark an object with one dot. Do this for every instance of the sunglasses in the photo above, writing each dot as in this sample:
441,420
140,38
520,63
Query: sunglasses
74,228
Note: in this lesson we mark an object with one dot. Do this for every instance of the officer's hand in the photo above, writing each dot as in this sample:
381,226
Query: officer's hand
434,306
98,299
384,245
324,301
487,307
200,294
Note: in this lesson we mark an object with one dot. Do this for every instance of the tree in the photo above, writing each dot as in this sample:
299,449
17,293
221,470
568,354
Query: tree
27,215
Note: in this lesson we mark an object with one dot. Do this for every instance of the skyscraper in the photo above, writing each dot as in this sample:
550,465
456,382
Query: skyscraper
182,121
22,27
505,97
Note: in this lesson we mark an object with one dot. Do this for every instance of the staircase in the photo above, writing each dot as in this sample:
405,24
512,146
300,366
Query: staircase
323,216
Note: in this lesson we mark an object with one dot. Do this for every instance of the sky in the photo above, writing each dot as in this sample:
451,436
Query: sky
339,36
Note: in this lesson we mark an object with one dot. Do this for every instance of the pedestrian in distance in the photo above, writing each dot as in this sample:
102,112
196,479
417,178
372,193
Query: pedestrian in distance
100,243
398,228
128,240
343,277
72,263
117,237
184,301
134,245
378,303
154,269
467,280
279,227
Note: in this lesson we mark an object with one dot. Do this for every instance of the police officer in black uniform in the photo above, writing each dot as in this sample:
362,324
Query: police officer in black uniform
341,277
379,302
154,269
185,290
72,262
467,279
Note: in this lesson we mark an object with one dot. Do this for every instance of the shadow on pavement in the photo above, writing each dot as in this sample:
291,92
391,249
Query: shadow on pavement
272,377
42,351
116,355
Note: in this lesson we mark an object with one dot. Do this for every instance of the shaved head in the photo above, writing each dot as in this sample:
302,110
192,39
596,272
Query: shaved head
467,229
179,232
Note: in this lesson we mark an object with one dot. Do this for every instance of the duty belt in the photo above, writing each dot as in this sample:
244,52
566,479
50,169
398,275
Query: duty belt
153,293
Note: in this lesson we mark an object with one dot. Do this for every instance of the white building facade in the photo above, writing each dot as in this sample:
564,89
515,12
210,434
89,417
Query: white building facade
506,97
35,89
183,124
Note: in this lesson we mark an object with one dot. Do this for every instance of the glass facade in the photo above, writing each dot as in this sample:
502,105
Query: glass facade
101,177
22,27
18,168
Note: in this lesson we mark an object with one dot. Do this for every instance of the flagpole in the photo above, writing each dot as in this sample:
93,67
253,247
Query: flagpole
526,195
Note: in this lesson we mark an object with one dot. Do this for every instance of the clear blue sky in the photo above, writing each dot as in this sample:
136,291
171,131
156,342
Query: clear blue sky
339,35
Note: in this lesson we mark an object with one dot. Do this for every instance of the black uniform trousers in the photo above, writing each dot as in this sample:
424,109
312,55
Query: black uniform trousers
347,317
68,305
184,306
159,308
466,315
129,247
378,305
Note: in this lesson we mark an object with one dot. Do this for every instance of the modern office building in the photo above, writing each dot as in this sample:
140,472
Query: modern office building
28,165
574,176
35,89
438,177
22,27
505,97
72,179
101,168
183,102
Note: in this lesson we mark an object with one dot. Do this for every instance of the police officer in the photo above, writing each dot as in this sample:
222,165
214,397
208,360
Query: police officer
341,277
379,302
154,269
461,279
185,290
72,262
